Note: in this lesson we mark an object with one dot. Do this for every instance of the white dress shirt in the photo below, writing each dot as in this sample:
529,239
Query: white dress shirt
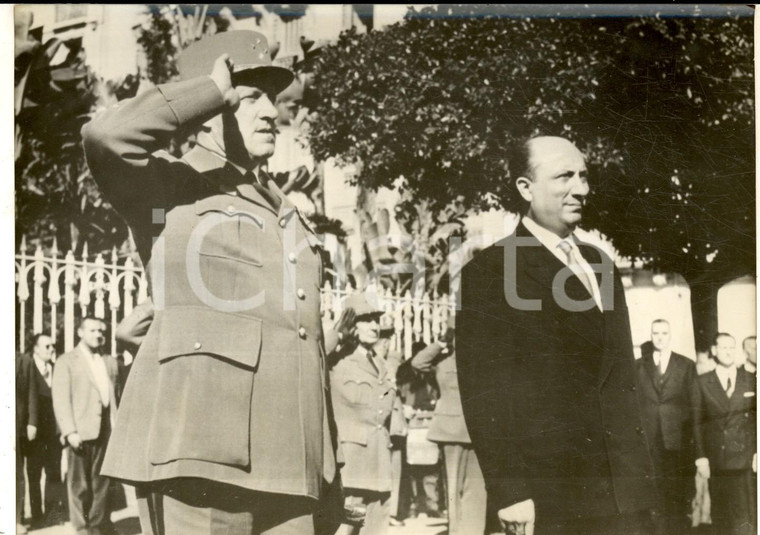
100,373
551,241
661,359
46,370
724,374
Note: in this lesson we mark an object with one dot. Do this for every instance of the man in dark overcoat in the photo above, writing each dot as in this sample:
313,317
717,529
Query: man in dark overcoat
546,366
223,422
665,381
725,433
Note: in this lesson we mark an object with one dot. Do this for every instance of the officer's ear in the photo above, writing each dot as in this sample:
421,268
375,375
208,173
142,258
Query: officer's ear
523,185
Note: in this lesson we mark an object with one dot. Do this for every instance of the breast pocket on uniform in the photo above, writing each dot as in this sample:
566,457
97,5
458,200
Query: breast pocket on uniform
226,229
357,392
207,364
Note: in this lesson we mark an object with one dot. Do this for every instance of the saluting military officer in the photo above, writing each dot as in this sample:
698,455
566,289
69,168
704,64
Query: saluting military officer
364,399
223,424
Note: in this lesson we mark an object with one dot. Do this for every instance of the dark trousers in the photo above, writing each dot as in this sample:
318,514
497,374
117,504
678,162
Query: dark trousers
674,472
88,490
44,453
190,506
424,480
19,483
734,502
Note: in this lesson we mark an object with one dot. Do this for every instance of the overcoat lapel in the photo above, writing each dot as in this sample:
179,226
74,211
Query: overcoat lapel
652,371
715,390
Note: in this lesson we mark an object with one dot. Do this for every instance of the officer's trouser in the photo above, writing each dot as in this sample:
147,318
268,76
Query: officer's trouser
218,509
466,490
378,512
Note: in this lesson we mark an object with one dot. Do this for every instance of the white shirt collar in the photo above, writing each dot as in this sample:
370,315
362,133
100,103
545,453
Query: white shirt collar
725,373
551,241
662,358
547,238
41,364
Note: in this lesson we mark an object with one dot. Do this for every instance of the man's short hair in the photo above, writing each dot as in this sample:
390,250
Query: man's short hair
744,342
660,320
718,336
91,318
518,161
36,338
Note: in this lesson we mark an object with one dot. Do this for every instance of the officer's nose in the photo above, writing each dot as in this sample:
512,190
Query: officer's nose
269,111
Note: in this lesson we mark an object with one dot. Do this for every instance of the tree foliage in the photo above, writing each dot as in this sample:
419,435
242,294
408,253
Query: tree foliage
662,107
56,196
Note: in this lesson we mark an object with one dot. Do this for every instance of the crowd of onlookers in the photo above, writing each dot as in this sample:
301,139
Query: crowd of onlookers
404,444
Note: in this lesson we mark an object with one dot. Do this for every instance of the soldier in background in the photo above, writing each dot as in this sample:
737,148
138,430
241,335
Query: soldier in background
364,399
466,489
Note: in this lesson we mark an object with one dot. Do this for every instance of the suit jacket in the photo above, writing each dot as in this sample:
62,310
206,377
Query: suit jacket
26,397
725,430
46,425
364,400
666,400
549,395
229,383
76,398
448,423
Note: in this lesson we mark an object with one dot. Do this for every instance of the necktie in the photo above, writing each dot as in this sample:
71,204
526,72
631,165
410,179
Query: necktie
47,373
371,359
572,261
729,389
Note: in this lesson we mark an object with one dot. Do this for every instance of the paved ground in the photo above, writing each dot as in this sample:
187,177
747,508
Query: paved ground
127,523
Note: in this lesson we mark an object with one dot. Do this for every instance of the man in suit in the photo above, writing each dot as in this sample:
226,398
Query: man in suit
725,433
365,402
224,420
546,367
84,402
26,427
44,448
665,381
465,486
749,345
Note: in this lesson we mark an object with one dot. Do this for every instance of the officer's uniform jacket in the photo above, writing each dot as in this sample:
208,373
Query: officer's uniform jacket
229,383
725,429
448,425
364,400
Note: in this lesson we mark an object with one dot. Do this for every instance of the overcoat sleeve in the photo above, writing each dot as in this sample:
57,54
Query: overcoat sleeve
697,419
487,343
134,327
425,360
120,144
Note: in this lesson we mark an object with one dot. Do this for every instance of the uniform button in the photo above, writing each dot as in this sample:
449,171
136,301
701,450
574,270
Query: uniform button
608,432
231,209
380,411
640,431
197,345
633,388
379,426
381,396
379,381
301,293
292,258
283,223
302,332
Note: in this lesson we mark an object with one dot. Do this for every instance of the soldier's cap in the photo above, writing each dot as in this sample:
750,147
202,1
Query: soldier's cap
361,305
249,52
